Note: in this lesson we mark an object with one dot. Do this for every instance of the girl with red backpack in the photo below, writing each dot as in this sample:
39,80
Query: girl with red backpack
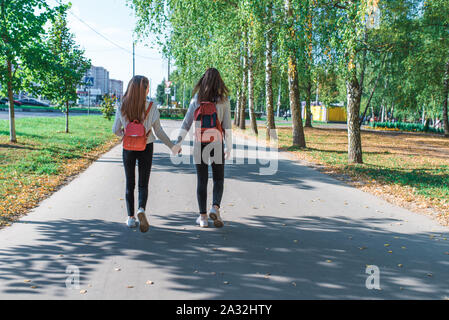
137,121
211,110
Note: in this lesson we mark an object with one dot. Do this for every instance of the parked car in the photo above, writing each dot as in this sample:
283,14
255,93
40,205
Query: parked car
5,101
33,102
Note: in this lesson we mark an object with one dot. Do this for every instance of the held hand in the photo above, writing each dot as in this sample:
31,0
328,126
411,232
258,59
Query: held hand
176,149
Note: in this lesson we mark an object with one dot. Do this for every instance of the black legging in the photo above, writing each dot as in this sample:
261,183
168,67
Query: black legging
145,161
202,171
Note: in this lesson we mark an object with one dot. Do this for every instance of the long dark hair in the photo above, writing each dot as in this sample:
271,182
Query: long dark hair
135,99
211,87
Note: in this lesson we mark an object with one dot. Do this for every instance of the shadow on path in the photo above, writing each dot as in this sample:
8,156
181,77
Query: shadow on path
258,257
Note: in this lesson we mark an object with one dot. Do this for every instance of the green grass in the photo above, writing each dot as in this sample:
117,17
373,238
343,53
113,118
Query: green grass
44,152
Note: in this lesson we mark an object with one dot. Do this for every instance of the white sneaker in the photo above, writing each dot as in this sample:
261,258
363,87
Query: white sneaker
131,222
143,221
214,214
203,223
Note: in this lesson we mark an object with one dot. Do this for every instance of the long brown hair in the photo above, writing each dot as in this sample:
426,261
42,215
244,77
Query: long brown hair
135,99
211,87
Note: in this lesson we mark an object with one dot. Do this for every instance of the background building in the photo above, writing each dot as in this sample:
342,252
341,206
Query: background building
101,79
98,85
116,88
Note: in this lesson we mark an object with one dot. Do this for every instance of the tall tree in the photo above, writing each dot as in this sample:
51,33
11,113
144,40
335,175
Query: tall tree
293,80
69,65
269,100
21,29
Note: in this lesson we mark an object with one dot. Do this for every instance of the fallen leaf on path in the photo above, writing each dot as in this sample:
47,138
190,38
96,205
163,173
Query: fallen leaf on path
118,269
387,245
226,282
150,282
400,265
83,291
329,261
130,287
27,281
294,284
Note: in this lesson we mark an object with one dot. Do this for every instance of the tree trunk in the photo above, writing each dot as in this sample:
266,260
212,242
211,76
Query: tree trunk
252,114
67,117
354,138
309,63
242,110
279,99
308,104
12,119
269,83
236,111
445,102
295,107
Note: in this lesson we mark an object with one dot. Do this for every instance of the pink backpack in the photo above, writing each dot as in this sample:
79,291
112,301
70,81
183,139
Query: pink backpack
135,138
209,128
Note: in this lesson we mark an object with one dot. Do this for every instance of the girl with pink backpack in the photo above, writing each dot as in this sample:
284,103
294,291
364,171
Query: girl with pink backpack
210,109
137,121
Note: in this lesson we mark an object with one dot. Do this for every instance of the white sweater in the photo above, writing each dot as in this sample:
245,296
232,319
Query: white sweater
152,122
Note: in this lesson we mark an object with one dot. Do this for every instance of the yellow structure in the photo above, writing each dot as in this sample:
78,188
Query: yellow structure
327,114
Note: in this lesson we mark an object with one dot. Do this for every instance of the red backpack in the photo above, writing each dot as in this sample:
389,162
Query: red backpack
208,127
135,138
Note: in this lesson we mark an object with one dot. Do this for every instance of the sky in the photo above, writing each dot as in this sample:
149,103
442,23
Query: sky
114,20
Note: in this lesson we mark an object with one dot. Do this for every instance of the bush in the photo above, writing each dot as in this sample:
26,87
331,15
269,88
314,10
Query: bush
107,107
405,126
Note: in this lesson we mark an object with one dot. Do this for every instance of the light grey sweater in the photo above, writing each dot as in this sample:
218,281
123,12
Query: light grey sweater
223,113
152,122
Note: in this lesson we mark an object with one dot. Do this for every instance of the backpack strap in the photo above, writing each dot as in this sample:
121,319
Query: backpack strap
148,111
146,116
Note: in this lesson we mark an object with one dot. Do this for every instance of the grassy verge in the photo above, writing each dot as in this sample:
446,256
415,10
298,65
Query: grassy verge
405,169
41,108
45,157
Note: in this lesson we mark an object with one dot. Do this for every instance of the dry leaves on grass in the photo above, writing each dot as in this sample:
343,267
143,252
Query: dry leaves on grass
395,152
